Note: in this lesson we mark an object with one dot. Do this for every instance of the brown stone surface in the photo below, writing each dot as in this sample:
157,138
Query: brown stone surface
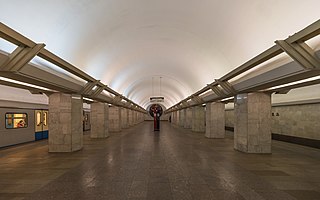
174,163
215,120
65,123
252,130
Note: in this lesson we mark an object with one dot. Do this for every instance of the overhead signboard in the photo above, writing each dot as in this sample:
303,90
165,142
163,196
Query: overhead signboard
156,99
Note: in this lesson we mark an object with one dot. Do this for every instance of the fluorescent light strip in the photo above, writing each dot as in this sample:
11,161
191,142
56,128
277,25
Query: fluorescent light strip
226,99
23,83
87,99
294,83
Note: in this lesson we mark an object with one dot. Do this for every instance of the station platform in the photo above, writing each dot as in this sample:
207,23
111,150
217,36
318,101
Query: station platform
172,163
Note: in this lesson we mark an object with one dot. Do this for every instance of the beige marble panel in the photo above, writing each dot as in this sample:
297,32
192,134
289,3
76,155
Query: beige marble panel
65,123
292,120
130,118
114,119
198,119
297,120
99,120
188,118
124,118
181,117
215,120
252,130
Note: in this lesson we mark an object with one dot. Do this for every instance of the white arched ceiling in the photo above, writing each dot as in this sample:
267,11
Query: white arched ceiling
187,42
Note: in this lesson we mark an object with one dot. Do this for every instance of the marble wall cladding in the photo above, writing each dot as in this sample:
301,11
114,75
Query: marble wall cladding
229,118
188,118
292,120
252,130
65,123
177,118
130,118
124,118
215,120
298,120
198,119
134,117
114,119
140,117
77,125
99,120
181,117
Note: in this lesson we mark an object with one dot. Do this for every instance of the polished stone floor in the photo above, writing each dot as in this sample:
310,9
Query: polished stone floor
171,164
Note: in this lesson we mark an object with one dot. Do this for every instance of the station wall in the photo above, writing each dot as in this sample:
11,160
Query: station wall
291,120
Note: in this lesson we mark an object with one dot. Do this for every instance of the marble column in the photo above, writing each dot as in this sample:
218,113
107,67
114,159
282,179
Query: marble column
215,120
181,117
198,119
99,120
252,128
177,117
130,117
173,117
188,118
65,123
135,117
141,117
124,118
114,119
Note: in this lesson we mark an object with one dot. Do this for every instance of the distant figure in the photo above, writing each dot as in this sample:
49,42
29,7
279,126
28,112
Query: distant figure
170,118
20,124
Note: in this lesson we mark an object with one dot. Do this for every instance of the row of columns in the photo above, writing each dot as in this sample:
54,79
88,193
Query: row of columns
252,129
66,121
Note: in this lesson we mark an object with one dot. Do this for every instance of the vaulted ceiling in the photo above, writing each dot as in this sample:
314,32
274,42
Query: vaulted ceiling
132,46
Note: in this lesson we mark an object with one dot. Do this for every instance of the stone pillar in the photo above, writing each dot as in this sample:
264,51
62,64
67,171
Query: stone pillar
114,119
188,118
65,123
252,128
181,117
177,117
124,118
173,117
130,117
141,117
215,120
99,120
138,117
198,119
135,117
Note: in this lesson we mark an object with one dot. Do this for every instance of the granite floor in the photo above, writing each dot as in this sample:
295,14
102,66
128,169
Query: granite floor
171,164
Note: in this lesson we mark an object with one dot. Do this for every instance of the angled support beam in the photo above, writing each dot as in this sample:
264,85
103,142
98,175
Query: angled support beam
87,89
97,91
197,99
20,57
217,91
227,87
117,99
301,53
185,104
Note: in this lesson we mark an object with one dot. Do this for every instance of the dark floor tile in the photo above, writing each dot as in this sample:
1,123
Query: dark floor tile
269,173
304,194
172,164
159,191
226,194
138,189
